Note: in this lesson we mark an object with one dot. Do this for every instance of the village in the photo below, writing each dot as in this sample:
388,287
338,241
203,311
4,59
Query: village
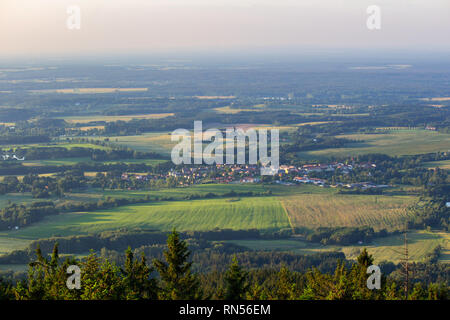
242,174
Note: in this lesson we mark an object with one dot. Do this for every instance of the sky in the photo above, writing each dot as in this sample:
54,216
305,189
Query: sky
39,27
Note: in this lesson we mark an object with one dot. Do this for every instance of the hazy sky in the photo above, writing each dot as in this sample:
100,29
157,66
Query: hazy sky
38,27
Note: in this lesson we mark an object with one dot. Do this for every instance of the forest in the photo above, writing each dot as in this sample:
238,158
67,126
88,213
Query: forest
172,278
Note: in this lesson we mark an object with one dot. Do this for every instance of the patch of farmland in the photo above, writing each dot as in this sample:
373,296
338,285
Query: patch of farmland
333,210
420,244
159,142
89,90
444,164
87,119
393,143
263,213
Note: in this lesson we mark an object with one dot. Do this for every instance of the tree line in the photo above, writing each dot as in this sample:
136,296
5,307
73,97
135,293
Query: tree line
172,278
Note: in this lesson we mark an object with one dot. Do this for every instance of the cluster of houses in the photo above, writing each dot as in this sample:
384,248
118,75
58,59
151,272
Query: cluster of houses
143,177
361,185
286,174
305,179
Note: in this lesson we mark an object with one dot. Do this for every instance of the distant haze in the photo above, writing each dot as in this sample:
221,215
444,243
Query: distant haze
38,27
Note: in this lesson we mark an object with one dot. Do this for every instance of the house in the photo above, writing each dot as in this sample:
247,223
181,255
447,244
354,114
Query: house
317,181
304,179
250,180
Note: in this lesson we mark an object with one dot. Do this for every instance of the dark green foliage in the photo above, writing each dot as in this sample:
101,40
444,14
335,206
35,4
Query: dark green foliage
235,282
178,283
103,280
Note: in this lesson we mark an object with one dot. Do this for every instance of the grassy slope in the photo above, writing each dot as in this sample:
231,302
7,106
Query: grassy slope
394,143
445,164
420,243
264,213
73,161
317,205
159,142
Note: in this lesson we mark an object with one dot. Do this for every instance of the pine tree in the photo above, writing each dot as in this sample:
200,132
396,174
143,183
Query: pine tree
100,280
391,292
136,278
178,281
235,282
6,290
418,293
365,259
358,277
34,288
340,288
285,288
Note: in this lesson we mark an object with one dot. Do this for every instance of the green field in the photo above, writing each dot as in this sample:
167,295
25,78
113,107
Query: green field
159,142
14,267
98,118
393,143
300,206
24,198
263,213
11,244
445,164
67,145
303,206
420,243
73,161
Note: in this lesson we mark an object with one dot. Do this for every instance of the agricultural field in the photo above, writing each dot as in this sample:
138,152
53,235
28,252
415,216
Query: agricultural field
420,243
59,144
288,206
263,213
230,110
14,267
73,161
55,162
98,118
11,244
179,193
437,99
333,210
445,164
6,199
159,142
89,90
86,128
393,143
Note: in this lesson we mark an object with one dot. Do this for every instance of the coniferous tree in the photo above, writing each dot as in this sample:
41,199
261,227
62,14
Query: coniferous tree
358,276
285,287
178,283
136,278
100,280
235,282
340,288
6,290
